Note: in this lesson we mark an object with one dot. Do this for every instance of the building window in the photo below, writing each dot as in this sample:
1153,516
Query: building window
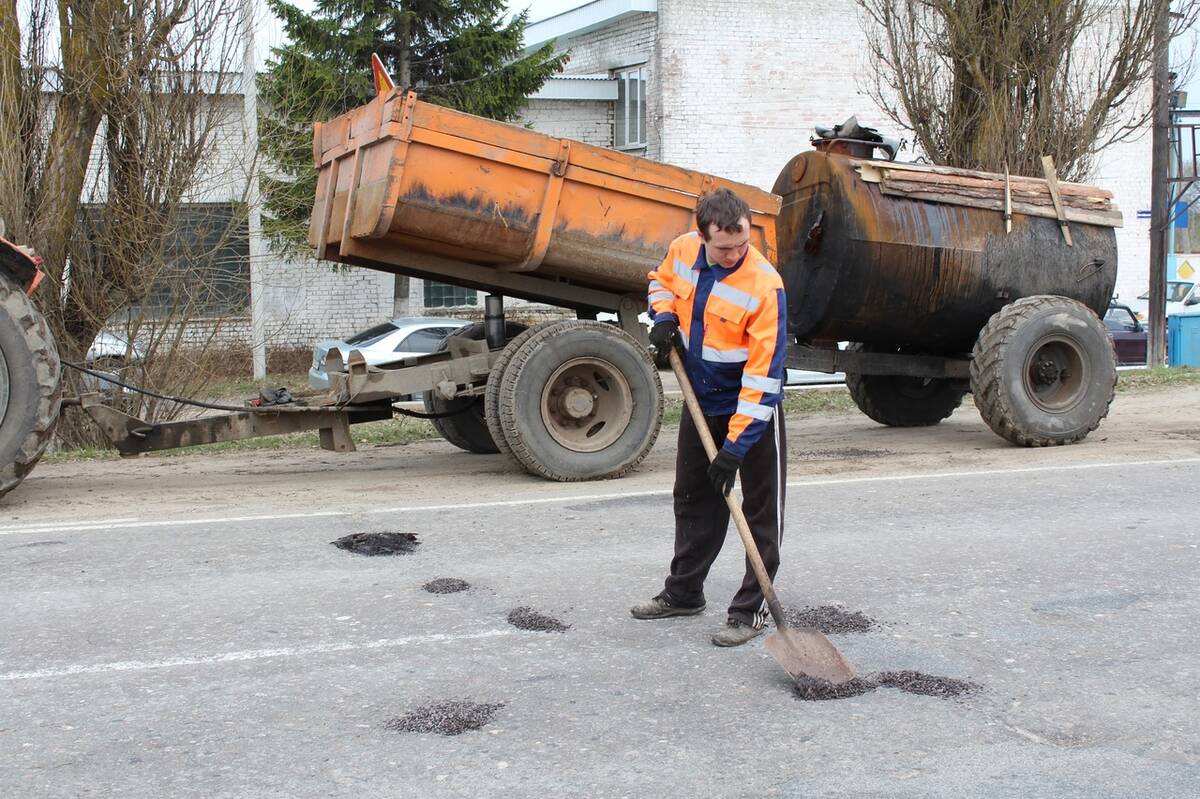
630,111
199,268
443,295
207,262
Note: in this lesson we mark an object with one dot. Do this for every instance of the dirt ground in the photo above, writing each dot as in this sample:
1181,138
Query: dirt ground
1161,424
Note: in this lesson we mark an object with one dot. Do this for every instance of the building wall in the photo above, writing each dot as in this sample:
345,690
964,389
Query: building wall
588,121
307,300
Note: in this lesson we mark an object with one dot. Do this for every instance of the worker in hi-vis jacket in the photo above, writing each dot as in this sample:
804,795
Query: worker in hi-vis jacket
720,303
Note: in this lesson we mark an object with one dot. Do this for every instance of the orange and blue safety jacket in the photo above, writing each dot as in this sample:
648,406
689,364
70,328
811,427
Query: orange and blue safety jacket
734,328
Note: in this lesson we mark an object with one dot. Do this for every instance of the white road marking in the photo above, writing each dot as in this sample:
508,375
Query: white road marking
126,524
251,654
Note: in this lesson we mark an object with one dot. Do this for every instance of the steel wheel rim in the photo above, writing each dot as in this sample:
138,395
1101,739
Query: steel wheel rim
4,387
1056,374
586,404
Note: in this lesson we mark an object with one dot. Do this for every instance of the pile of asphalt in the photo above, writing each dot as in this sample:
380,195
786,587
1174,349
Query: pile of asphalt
446,585
915,682
371,544
830,619
526,618
445,718
812,689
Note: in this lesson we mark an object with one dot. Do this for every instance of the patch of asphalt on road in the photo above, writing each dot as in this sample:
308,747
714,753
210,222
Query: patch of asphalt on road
446,585
526,618
376,544
838,454
830,619
39,544
812,689
453,717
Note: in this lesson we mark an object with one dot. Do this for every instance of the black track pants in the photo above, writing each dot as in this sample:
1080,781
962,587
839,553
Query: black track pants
702,517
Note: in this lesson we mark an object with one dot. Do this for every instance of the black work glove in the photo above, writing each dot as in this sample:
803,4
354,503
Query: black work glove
666,334
723,470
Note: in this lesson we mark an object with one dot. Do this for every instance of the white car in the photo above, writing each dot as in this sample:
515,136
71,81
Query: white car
1180,294
385,343
113,356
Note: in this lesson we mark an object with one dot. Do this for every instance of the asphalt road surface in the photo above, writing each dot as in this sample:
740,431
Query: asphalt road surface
222,653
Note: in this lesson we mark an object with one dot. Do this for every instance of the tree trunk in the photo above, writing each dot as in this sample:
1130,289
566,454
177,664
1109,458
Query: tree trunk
12,162
405,65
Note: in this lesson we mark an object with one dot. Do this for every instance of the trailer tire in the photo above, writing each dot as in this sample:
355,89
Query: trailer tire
898,401
491,395
580,400
468,429
29,385
1043,371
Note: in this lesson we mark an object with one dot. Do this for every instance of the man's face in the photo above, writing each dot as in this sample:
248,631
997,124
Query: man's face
728,248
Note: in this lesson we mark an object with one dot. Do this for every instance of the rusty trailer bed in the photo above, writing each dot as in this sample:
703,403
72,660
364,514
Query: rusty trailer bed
412,188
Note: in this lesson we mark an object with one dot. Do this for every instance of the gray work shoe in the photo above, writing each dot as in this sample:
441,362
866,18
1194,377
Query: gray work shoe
736,633
659,608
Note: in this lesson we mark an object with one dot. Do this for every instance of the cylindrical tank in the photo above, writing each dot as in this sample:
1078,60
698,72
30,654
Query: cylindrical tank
896,272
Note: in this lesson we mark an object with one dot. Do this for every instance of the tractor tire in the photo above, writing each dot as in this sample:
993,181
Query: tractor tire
491,396
898,401
29,385
1043,371
466,430
580,400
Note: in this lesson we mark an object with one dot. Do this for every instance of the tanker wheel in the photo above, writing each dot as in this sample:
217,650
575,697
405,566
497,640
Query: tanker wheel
1043,371
466,428
899,401
580,400
491,396
29,385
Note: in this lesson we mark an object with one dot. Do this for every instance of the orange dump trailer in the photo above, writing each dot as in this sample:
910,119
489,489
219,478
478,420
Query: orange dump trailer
412,188
416,189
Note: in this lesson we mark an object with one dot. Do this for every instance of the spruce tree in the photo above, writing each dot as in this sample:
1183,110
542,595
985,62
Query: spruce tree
458,53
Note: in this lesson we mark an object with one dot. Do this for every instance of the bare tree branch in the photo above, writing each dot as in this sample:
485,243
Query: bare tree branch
985,83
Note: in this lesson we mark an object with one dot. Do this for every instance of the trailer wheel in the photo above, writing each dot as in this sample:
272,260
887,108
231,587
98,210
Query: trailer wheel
1043,371
899,401
491,396
466,430
29,385
580,401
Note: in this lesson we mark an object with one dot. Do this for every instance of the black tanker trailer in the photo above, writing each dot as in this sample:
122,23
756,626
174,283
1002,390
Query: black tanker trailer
945,281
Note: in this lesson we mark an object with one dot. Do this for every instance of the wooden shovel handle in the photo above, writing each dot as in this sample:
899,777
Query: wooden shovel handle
735,507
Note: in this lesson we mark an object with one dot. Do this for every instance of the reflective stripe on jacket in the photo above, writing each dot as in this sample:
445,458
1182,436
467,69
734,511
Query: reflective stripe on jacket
733,323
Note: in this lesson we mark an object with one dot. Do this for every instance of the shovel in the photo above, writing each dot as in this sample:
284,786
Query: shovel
800,651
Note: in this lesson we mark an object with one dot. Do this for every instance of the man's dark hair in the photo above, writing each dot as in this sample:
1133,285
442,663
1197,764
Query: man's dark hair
723,208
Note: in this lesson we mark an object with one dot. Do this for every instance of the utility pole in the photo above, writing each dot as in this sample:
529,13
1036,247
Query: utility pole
257,249
1156,354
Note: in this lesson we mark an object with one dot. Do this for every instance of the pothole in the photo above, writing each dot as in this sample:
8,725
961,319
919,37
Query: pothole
811,689
372,544
525,618
445,718
830,619
446,585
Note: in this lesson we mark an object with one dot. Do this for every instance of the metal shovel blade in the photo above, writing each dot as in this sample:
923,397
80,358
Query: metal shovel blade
807,652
